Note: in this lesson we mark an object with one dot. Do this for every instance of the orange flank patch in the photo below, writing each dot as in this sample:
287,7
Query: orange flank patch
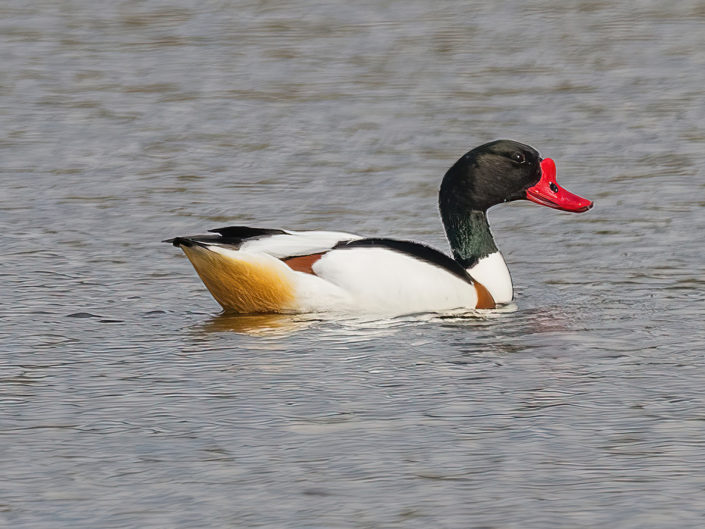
484,298
303,263
244,284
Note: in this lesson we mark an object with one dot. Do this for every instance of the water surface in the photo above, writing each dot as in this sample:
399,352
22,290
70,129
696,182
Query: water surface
127,400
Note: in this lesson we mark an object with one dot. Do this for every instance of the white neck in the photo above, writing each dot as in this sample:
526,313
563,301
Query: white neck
493,274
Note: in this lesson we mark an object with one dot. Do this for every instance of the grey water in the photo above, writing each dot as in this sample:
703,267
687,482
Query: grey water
127,399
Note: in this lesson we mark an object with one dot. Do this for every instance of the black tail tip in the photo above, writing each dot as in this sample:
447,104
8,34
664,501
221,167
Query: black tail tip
180,241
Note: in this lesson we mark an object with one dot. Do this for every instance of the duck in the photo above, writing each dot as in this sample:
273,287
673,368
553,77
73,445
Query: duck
271,270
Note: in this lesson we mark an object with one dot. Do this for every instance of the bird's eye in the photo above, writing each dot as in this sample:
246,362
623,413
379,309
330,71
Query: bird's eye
553,187
518,157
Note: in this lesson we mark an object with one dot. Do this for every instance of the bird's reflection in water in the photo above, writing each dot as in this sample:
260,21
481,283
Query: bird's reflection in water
273,324
258,324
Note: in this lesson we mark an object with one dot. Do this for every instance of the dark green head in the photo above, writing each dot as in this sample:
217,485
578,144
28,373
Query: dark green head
490,174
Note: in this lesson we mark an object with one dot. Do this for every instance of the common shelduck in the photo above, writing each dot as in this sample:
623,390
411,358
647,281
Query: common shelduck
249,270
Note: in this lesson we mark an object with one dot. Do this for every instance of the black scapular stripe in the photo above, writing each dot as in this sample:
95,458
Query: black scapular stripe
413,249
232,235
246,232
235,234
